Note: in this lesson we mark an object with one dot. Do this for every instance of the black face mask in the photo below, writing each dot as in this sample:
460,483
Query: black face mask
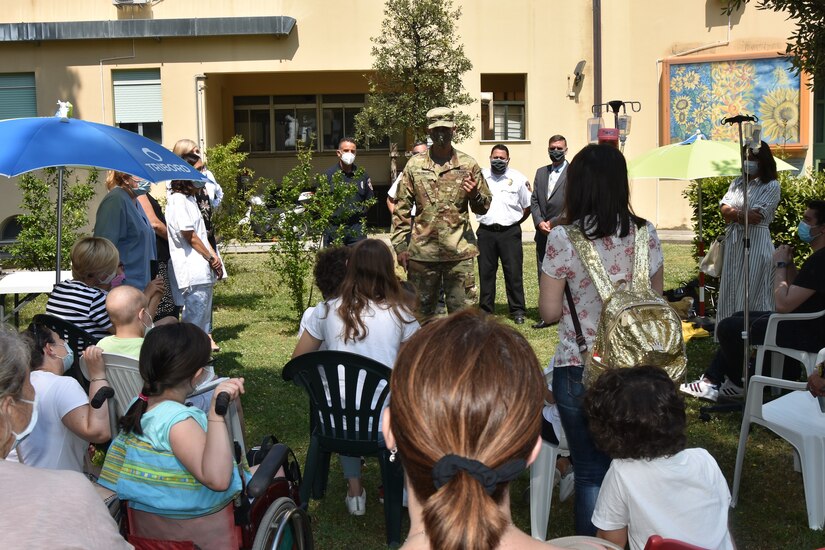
498,166
556,155
441,136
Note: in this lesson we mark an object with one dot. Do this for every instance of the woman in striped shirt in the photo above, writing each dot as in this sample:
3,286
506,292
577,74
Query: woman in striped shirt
95,270
763,196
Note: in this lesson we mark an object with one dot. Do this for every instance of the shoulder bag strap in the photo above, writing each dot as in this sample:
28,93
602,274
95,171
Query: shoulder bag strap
641,261
591,261
577,326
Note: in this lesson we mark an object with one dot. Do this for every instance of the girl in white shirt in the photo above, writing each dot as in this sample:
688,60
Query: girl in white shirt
371,318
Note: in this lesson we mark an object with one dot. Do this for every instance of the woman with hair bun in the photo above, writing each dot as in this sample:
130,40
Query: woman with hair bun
464,420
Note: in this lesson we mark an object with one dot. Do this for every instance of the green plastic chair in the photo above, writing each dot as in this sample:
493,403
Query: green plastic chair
346,424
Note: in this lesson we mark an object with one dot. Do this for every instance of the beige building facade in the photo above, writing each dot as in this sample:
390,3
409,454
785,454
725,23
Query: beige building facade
276,71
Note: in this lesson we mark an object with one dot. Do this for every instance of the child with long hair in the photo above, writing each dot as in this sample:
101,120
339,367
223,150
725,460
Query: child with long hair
173,463
465,420
637,417
369,317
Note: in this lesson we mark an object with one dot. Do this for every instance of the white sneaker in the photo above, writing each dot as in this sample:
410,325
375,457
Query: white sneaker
729,390
357,506
701,389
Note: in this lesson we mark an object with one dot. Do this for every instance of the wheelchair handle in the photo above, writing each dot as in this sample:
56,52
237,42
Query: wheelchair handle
274,459
222,403
101,396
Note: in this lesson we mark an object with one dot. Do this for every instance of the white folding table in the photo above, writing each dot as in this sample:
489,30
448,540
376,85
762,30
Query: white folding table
29,283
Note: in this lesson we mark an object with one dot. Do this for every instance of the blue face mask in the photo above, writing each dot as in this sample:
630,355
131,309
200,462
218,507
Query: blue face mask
67,359
142,188
804,232
751,167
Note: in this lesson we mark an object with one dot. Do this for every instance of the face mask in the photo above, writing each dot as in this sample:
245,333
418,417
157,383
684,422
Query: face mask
498,166
18,437
147,328
67,359
142,188
348,158
441,136
117,281
751,167
555,154
804,232
109,279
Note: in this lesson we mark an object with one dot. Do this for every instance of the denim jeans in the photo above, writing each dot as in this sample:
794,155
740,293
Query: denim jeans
589,464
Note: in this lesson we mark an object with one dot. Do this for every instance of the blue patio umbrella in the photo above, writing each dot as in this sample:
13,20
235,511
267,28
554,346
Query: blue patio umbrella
29,144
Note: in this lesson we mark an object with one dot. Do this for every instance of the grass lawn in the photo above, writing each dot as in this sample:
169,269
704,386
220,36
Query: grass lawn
256,332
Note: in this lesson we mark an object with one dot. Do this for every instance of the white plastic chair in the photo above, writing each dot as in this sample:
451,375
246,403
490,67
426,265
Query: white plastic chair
795,417
123,375
807,358
542,478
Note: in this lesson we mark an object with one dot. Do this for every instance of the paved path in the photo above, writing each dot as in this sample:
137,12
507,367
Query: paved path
666,235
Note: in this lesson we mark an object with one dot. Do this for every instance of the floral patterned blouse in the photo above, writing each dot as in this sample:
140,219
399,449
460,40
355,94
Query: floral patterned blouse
562,262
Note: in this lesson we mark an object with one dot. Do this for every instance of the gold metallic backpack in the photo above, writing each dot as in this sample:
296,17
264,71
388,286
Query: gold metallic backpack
636,326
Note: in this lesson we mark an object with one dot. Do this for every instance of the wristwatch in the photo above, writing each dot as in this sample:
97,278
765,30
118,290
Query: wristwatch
781,264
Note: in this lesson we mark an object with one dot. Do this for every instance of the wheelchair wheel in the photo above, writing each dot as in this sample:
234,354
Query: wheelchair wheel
284,526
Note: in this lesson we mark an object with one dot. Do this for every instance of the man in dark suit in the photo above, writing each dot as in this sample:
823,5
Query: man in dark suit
547,200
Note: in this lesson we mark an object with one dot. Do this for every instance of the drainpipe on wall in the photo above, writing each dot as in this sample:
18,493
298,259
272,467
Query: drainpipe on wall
597,55
102,88
200,86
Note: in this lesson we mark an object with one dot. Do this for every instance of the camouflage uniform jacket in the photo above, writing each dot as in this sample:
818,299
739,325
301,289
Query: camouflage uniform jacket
442,230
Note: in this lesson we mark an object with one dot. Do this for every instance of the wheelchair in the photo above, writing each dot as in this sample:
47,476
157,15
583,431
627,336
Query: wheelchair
266,515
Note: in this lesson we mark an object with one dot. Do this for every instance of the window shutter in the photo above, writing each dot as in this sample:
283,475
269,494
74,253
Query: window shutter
137,96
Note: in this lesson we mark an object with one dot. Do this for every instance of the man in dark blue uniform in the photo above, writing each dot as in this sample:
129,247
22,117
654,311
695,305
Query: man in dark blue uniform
348,219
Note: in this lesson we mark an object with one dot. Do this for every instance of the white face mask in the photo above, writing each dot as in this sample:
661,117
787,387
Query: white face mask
18,437
108,279
146,328
348,158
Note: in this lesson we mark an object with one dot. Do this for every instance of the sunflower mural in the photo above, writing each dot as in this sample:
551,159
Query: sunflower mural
702,94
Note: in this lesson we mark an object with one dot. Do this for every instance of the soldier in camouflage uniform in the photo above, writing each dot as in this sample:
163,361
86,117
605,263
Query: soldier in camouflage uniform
444,184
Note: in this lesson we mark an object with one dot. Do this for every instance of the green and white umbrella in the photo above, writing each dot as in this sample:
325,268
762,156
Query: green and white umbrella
698,159
693,159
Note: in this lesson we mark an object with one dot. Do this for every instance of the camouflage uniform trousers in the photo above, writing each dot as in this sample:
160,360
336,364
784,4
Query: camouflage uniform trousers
456,277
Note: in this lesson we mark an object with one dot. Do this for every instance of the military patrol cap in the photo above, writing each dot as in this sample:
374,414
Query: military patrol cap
440,117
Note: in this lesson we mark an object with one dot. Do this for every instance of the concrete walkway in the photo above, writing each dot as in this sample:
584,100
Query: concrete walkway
666,235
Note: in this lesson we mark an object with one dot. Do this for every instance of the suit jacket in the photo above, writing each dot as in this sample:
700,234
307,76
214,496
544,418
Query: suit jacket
542,208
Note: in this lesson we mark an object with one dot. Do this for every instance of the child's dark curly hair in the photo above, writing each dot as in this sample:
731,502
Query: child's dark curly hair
330,269
636,413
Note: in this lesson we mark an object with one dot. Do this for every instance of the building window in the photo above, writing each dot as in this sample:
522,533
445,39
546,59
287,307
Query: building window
338,112
296,120
503,107
18,96
252,122
138,104
274,124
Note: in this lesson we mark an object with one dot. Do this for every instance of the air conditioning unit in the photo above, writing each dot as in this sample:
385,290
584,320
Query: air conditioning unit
130,2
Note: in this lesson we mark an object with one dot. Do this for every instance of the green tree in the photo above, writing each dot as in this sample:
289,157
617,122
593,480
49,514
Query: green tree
36,246
226,164
806,45
418,61
795,192
298,232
